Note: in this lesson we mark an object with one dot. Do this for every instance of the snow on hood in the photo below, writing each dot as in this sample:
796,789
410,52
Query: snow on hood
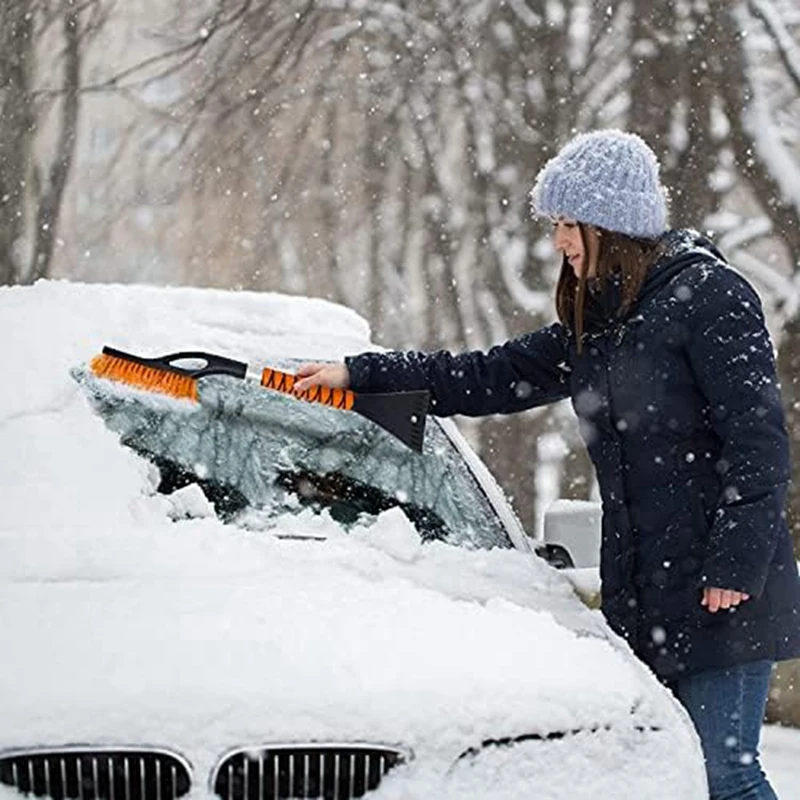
120,625
353,637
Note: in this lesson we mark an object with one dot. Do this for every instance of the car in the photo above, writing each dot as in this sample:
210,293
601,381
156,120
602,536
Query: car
253,597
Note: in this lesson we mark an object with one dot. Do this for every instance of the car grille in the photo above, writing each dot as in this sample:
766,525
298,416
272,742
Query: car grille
279,772
96,773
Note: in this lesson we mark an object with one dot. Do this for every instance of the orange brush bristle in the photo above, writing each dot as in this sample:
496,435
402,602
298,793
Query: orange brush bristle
151,379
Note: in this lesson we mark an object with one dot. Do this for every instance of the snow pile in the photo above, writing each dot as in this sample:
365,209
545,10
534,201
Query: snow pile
780,756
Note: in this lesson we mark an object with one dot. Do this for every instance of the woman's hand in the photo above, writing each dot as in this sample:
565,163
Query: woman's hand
334,376
715,599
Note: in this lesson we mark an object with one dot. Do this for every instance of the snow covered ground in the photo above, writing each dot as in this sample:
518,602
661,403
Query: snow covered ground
780,755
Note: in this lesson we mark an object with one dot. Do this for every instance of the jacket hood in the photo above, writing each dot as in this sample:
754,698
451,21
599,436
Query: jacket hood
680,249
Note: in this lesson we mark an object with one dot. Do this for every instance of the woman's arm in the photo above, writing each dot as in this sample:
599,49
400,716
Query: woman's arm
732,357
528,371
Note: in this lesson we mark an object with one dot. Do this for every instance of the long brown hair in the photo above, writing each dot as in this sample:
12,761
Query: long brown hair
631,257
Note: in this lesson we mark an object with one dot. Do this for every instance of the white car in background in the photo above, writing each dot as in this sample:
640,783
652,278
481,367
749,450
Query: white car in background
254,598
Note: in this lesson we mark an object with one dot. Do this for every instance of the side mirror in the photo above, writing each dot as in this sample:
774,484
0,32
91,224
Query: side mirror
555,555
572,531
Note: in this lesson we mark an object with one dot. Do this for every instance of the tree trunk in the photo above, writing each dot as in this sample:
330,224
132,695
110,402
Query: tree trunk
16,142
53,193
655,82
694,198
672,90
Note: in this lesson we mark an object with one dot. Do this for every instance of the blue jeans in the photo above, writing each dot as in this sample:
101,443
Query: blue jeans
727,708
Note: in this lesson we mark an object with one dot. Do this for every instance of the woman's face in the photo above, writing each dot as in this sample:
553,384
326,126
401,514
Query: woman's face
567,240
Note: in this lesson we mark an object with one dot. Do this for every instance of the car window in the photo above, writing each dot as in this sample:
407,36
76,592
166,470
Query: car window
249,448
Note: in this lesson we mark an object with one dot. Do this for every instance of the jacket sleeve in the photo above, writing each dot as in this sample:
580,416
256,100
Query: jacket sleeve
732,357
529,371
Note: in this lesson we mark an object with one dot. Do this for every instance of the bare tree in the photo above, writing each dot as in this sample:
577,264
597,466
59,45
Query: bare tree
16,142
33,172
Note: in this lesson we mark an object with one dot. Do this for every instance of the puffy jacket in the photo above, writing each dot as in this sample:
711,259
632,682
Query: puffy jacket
679,405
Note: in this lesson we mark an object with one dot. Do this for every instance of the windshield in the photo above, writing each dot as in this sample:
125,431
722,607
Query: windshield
253,449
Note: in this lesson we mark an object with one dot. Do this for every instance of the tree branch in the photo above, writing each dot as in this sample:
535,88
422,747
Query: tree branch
788,49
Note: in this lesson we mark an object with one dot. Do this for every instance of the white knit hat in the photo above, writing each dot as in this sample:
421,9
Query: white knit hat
604,178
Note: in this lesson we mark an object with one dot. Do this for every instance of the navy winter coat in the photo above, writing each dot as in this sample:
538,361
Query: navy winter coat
681,412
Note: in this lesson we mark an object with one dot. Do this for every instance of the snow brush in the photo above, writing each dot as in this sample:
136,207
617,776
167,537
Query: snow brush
402,414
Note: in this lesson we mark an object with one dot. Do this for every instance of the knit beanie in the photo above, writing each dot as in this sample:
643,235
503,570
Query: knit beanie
605,178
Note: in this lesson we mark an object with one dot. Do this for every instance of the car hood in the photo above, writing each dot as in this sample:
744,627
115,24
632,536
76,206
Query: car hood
202,637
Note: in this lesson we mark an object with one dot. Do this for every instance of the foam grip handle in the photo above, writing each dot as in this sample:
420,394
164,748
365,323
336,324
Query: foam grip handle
284,382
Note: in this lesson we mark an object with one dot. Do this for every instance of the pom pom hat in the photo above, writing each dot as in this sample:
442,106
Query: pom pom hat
605,178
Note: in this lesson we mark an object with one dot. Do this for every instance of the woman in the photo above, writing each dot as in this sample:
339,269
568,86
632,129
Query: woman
663,350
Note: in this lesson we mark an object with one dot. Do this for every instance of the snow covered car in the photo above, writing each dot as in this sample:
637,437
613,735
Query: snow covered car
251,597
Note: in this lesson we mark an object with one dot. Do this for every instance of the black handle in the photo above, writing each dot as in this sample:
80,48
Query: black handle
212,364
